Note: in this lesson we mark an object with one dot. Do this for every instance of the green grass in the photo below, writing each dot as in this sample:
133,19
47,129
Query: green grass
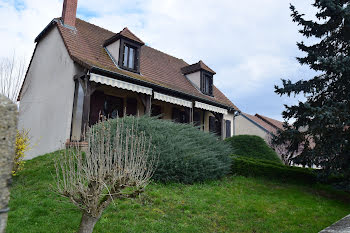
234,204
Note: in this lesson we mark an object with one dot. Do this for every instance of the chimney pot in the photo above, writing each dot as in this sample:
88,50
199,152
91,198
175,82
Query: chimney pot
69,12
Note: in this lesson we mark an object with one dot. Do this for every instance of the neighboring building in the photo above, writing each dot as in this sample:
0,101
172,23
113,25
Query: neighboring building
246,124
80,71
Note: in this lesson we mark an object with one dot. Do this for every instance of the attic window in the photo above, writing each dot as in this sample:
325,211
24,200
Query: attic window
129,57
207,83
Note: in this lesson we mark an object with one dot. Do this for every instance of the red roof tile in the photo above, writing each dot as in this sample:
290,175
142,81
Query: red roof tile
86,46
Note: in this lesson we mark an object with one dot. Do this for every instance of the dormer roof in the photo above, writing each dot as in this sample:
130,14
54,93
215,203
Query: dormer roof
196,67
125,33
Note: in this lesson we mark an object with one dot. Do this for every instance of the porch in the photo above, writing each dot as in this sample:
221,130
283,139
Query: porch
97,96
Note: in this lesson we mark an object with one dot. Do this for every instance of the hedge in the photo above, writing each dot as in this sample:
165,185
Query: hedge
252,146
246,166
186,154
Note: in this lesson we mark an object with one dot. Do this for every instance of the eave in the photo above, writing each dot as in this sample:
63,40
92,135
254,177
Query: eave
157,87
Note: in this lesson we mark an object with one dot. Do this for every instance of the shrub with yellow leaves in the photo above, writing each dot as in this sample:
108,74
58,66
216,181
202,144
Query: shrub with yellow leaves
22,145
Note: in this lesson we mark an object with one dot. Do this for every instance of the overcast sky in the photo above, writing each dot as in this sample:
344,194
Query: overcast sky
250,44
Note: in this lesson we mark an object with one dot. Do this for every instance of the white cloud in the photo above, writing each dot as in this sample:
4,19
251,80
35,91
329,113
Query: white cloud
250,44
20,27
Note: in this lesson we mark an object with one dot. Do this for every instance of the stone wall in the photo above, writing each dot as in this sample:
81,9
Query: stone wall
8,127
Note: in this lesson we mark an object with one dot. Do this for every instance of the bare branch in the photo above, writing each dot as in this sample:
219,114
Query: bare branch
12,71
118,164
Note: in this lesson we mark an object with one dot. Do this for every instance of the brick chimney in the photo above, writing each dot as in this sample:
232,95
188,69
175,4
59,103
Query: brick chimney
69,12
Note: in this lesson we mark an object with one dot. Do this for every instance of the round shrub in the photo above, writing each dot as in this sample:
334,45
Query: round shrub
186,154
253,147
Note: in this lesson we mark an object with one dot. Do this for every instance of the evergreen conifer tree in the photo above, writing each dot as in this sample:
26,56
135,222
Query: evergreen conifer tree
320,134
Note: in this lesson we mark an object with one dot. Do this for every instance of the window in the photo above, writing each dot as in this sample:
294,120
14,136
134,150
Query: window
129,57
105,105
179,116
113,107
197,118
214,126
156,110
131,107
207,84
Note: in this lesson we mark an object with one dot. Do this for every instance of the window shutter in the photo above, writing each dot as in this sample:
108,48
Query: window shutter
211,86
137,59
228,129
201,81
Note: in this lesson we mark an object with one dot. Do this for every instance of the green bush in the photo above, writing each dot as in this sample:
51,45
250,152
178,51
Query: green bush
252,146
246,166
186,154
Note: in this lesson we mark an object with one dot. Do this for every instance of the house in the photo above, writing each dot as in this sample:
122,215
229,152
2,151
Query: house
80,71
259,125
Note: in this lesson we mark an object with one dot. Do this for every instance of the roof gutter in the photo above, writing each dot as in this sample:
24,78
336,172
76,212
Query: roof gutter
149,84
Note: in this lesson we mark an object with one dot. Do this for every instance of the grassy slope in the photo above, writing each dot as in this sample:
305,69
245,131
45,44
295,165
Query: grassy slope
235,204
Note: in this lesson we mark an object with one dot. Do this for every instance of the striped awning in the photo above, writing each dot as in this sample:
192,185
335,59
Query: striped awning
120,84
172,100
210,107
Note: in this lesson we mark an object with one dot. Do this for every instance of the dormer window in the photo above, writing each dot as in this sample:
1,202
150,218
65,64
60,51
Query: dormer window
125,49
129,57
201,76
207,83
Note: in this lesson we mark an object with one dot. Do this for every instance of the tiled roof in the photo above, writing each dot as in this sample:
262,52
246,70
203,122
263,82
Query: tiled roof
124,33
85,46
273,122
196,67
268,127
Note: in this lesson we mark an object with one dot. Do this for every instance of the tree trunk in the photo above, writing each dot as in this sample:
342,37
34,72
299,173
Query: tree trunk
87,223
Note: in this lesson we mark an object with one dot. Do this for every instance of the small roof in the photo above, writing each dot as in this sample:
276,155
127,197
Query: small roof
273,122
271,128
125,33
196,67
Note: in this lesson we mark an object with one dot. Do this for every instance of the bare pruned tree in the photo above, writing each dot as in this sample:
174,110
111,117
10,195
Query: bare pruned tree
281,150
12,71
113,167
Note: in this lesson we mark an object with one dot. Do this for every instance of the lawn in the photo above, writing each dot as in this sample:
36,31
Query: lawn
234,204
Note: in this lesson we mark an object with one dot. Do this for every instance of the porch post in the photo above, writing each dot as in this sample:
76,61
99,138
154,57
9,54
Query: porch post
88,88
191,115
147,102
223,128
